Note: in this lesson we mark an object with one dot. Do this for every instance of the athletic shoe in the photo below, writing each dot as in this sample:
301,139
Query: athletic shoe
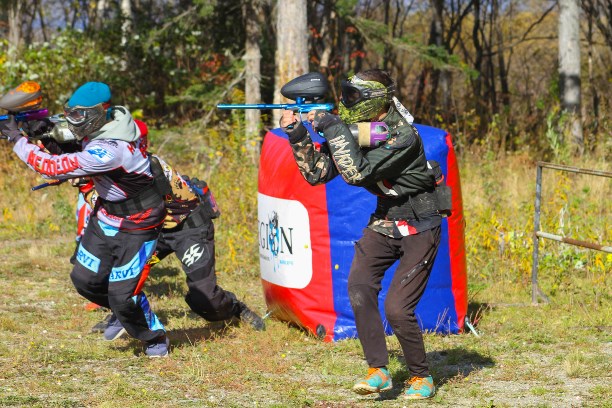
158,347
248,316
102,324
377,380
420,388
114,330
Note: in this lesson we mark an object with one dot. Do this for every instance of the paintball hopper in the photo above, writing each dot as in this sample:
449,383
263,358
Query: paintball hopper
370,134
26,97
308,87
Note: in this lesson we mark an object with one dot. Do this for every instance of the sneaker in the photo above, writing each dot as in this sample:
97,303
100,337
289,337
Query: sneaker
158,347
420,388
377,380
102,324
114,329
248,316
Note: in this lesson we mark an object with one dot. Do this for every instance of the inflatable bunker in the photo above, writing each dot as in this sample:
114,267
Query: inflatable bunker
306,244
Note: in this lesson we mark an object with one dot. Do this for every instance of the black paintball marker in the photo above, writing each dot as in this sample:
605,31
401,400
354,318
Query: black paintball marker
305,90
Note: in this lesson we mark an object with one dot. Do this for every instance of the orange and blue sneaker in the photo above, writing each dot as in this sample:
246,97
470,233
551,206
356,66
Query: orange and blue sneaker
420,388
377,380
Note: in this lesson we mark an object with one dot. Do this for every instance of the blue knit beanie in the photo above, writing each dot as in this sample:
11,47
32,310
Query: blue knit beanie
90,94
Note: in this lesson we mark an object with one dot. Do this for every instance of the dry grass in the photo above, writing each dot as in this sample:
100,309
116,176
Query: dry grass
544,356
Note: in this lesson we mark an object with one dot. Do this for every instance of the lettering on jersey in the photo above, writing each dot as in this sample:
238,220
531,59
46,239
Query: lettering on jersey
343,159
102,155
54,165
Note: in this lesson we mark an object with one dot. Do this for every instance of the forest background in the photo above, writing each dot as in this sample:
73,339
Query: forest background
514,82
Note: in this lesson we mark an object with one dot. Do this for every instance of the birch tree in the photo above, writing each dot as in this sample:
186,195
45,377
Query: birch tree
291,46
15,11
569,68
252,14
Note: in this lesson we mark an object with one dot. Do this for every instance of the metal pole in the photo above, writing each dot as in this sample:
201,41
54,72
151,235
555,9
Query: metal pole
574,169
576,242
536,241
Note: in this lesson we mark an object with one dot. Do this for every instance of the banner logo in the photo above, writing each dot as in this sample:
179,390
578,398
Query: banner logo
285,254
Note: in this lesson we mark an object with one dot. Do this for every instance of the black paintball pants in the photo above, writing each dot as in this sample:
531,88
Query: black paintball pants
108,267
194,246
374,254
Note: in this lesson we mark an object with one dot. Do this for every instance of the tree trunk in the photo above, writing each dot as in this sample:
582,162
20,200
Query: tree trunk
127,18
14,28
252,14
327,36
569,68
292,46
101,7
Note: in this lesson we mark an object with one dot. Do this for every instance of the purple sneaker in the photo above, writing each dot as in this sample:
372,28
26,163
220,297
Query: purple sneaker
114,329
158,347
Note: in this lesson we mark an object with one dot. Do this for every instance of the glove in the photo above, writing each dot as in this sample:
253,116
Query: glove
323,119
37,128
198,186
206,196
10,129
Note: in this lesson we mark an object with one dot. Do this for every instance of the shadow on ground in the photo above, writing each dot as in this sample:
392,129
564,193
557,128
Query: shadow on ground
445,366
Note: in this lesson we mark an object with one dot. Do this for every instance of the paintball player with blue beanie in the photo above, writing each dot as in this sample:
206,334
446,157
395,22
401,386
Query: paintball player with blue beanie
405,225
123,228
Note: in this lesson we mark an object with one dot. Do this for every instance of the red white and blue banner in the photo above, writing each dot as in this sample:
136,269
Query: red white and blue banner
306,244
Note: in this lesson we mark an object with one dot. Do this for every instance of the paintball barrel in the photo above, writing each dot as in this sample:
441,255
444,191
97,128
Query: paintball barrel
305,90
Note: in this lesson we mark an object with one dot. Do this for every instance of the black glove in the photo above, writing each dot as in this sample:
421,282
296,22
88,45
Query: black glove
37,128
54,147
323,119
10,129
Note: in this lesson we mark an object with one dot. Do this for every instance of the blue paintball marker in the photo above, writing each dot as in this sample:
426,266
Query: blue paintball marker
305,90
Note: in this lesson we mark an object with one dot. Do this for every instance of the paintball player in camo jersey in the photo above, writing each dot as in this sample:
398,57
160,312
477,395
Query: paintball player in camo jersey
405,225
123,228
188,232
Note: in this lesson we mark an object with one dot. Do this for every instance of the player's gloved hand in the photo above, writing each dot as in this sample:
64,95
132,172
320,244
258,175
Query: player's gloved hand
198,186
323,119
37,128
10,129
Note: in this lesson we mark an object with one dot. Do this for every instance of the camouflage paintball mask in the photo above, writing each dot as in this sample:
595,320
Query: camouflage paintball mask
362,100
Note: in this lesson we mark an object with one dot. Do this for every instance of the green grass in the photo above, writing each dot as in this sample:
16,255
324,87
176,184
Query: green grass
550,355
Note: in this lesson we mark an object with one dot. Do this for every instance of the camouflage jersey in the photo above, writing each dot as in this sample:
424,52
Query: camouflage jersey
396,172
181,201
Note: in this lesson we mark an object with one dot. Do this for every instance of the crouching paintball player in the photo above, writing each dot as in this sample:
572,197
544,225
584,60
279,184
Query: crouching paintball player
124,225
405,225
188,232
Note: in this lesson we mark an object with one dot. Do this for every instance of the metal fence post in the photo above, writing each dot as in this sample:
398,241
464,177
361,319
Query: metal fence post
537,234
536,240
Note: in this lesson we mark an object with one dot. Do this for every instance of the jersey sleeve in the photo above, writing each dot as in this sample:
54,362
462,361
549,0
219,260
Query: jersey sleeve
96,158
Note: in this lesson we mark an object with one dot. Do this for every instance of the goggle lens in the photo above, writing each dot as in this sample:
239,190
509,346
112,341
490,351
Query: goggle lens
351,95
76,116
